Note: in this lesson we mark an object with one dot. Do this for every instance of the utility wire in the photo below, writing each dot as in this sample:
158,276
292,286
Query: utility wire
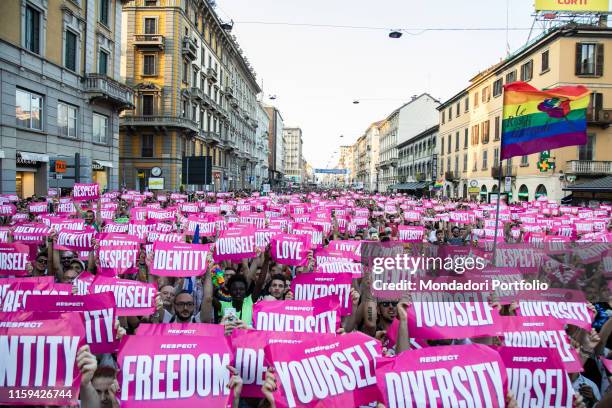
416,30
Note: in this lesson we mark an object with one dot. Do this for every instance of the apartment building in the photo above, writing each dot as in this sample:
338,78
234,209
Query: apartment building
61,94
276,146
565,55
195,95
418,158
293,154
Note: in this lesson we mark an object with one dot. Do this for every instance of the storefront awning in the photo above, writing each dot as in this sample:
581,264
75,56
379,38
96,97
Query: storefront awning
36,157
103,163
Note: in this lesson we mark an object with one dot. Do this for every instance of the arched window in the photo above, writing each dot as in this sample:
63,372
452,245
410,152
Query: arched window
540,191
523,194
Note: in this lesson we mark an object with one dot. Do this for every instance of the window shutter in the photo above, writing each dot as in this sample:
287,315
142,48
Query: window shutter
578,58
600,60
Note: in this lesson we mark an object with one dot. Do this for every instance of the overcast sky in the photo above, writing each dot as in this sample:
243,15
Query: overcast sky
316,73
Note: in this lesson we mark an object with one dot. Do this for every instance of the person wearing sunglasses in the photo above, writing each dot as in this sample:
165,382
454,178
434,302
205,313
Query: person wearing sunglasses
387,310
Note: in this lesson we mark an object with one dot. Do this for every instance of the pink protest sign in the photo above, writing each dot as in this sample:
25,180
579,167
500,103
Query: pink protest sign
311,286
355,269
179,259
350,248
112,226
290,249
326,255
301,316
540,333
84,191
156,372
263,237
38,208
98,311
118,256
567,306
444,376
249,345
181,329
14,295
162,214
315,232
436,316
235,245
309,372
207,224
75,240
30,233
40,365
13,259
132,298
7,210
411,233
537,377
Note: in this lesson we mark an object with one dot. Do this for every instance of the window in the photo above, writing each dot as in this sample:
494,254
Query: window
585,151
443,117
475,99
448,149
67,120
32,29
150,2
524,161
497,129
497,87
28,109
185,72
194,78
448,164
103,11
496,157
545,66
465,163
100,128
485,155
511,77
475,162
70,54
589,59
150,26
467,103
185,109
465,138
527,71
475,134
442,146
457,141
147,146
485,131
147,105
148,64
484,94
450,113
103,62
441,166
456,165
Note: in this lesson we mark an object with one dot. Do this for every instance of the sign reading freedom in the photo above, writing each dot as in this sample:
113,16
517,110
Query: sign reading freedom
565,5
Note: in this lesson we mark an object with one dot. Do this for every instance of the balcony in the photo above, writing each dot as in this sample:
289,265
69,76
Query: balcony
161,122
197,93
211,136
507,171
601,117
234,104
190,48
212,74
229,91
588,167
104,88
451,176
149,41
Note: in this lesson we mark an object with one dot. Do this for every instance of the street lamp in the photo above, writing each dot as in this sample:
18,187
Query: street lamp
395,34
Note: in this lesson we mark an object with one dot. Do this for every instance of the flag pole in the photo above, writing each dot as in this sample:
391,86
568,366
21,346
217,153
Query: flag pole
499,179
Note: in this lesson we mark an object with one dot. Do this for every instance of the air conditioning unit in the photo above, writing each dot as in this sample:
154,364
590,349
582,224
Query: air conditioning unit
605,115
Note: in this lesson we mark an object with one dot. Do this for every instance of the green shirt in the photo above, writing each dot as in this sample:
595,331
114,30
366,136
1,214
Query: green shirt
246,314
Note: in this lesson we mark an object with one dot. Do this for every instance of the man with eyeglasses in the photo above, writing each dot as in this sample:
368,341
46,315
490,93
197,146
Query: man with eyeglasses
184,308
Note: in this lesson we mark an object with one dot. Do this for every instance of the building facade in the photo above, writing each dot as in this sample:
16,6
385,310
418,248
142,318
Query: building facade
418,157
61,94
561,56
293,154
345,161
262,137
276,147
195,96
365,157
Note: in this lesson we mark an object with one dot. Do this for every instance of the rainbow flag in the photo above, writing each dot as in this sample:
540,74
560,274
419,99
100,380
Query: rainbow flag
537,120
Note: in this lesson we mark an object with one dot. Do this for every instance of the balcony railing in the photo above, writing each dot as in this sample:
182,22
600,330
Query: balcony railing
507,171
588,167
212,74
190,48
197,93
102,87
451,176
229,91
160,121
211,136
149,41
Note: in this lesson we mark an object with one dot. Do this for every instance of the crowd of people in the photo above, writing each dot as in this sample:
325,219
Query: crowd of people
229,293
